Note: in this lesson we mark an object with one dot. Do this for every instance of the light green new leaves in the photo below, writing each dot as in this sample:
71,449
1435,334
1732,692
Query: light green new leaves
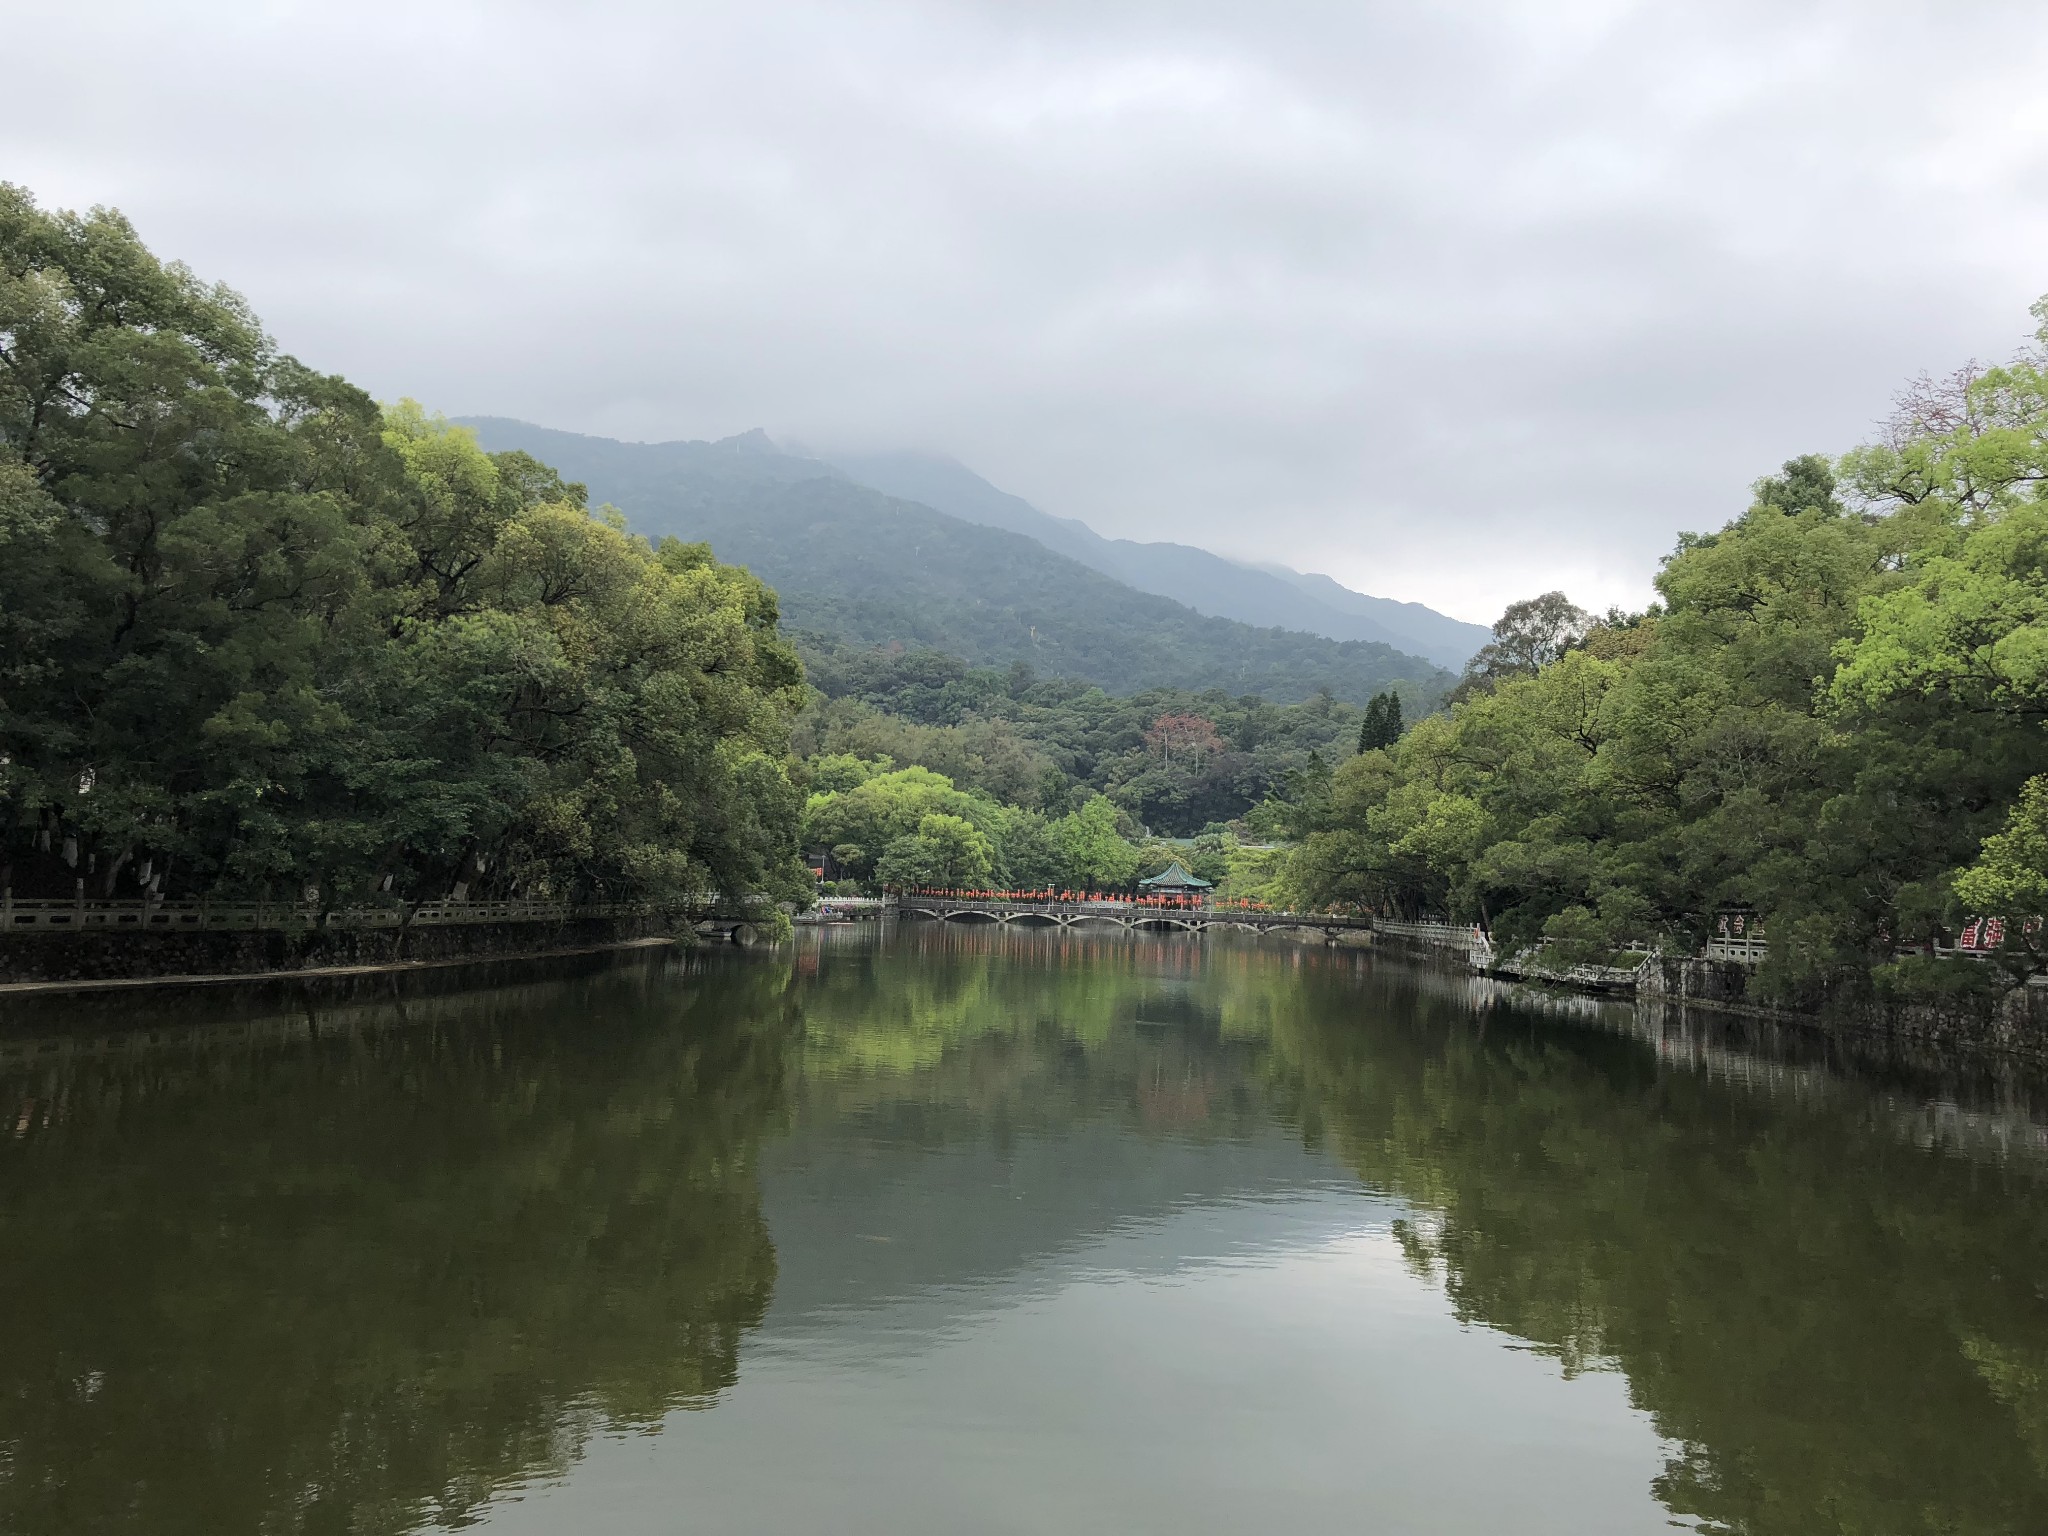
1964,449
2011,875
1094,855
1973,625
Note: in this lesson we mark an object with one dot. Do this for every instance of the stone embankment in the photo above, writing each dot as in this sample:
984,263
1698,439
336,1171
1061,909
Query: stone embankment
1723,980
62,944
2014,1022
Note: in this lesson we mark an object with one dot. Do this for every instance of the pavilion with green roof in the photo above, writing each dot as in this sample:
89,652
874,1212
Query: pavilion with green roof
1174,880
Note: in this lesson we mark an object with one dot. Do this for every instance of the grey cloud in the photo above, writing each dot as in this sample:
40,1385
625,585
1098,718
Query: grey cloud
1455,303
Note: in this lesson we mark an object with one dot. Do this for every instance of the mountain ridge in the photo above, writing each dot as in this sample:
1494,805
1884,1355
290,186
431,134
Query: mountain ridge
1257,593
872,569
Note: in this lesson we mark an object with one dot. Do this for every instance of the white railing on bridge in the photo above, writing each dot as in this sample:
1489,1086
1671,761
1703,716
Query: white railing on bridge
1129,910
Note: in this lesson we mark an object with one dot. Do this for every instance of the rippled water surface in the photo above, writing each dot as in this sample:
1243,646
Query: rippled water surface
961,1230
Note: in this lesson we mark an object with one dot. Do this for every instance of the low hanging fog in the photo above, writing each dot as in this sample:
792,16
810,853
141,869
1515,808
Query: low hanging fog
1456,304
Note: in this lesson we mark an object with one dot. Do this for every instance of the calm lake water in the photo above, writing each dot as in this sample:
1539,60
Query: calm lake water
972,1231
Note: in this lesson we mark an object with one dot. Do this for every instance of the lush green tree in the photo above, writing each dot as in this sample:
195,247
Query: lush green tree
949,852
887,806
1028,857
182,588
1527,637
881,829
1831,708
832,772
262,635
1970,627
989,756
2011,875
1093,852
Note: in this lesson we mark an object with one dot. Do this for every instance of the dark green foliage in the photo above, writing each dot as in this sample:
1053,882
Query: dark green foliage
1528,636
1026,741
1805,484
1382,724
260,635
1833,719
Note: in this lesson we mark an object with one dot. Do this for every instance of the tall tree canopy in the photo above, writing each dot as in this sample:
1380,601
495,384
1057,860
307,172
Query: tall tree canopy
1833,719
258,634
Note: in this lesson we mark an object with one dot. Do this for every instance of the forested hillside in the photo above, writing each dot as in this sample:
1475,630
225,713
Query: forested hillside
1177,761
1832,720
1206,582
872,570
923,771
258,635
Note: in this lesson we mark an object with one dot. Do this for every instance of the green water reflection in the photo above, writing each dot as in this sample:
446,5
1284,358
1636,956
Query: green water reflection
362,1267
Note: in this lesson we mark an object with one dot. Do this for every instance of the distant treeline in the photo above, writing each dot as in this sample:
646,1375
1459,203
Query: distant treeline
258,635
1831,721
1177,761
924,771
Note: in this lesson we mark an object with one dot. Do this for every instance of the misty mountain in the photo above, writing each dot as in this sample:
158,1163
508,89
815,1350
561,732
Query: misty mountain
872,569
1262,595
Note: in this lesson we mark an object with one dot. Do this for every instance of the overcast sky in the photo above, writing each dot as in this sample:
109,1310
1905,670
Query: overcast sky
1453,302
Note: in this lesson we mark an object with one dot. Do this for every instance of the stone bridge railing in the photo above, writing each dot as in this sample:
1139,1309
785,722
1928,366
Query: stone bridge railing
1124,912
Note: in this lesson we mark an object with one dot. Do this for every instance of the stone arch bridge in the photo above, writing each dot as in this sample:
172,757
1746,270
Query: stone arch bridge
1072,914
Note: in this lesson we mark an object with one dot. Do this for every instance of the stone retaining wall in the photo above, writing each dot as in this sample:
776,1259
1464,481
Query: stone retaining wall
1694,980
2015,1023
101,955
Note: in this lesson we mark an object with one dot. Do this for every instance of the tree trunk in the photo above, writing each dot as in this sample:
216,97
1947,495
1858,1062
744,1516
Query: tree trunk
114,867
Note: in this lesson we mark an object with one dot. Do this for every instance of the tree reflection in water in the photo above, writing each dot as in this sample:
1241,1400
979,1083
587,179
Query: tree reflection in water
359,1285
1845,1332
363,1282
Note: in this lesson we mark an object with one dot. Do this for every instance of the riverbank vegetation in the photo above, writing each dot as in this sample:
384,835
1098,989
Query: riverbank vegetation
1831,720
258,634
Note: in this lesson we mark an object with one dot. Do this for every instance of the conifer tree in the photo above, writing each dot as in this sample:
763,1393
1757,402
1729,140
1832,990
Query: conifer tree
1382,724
